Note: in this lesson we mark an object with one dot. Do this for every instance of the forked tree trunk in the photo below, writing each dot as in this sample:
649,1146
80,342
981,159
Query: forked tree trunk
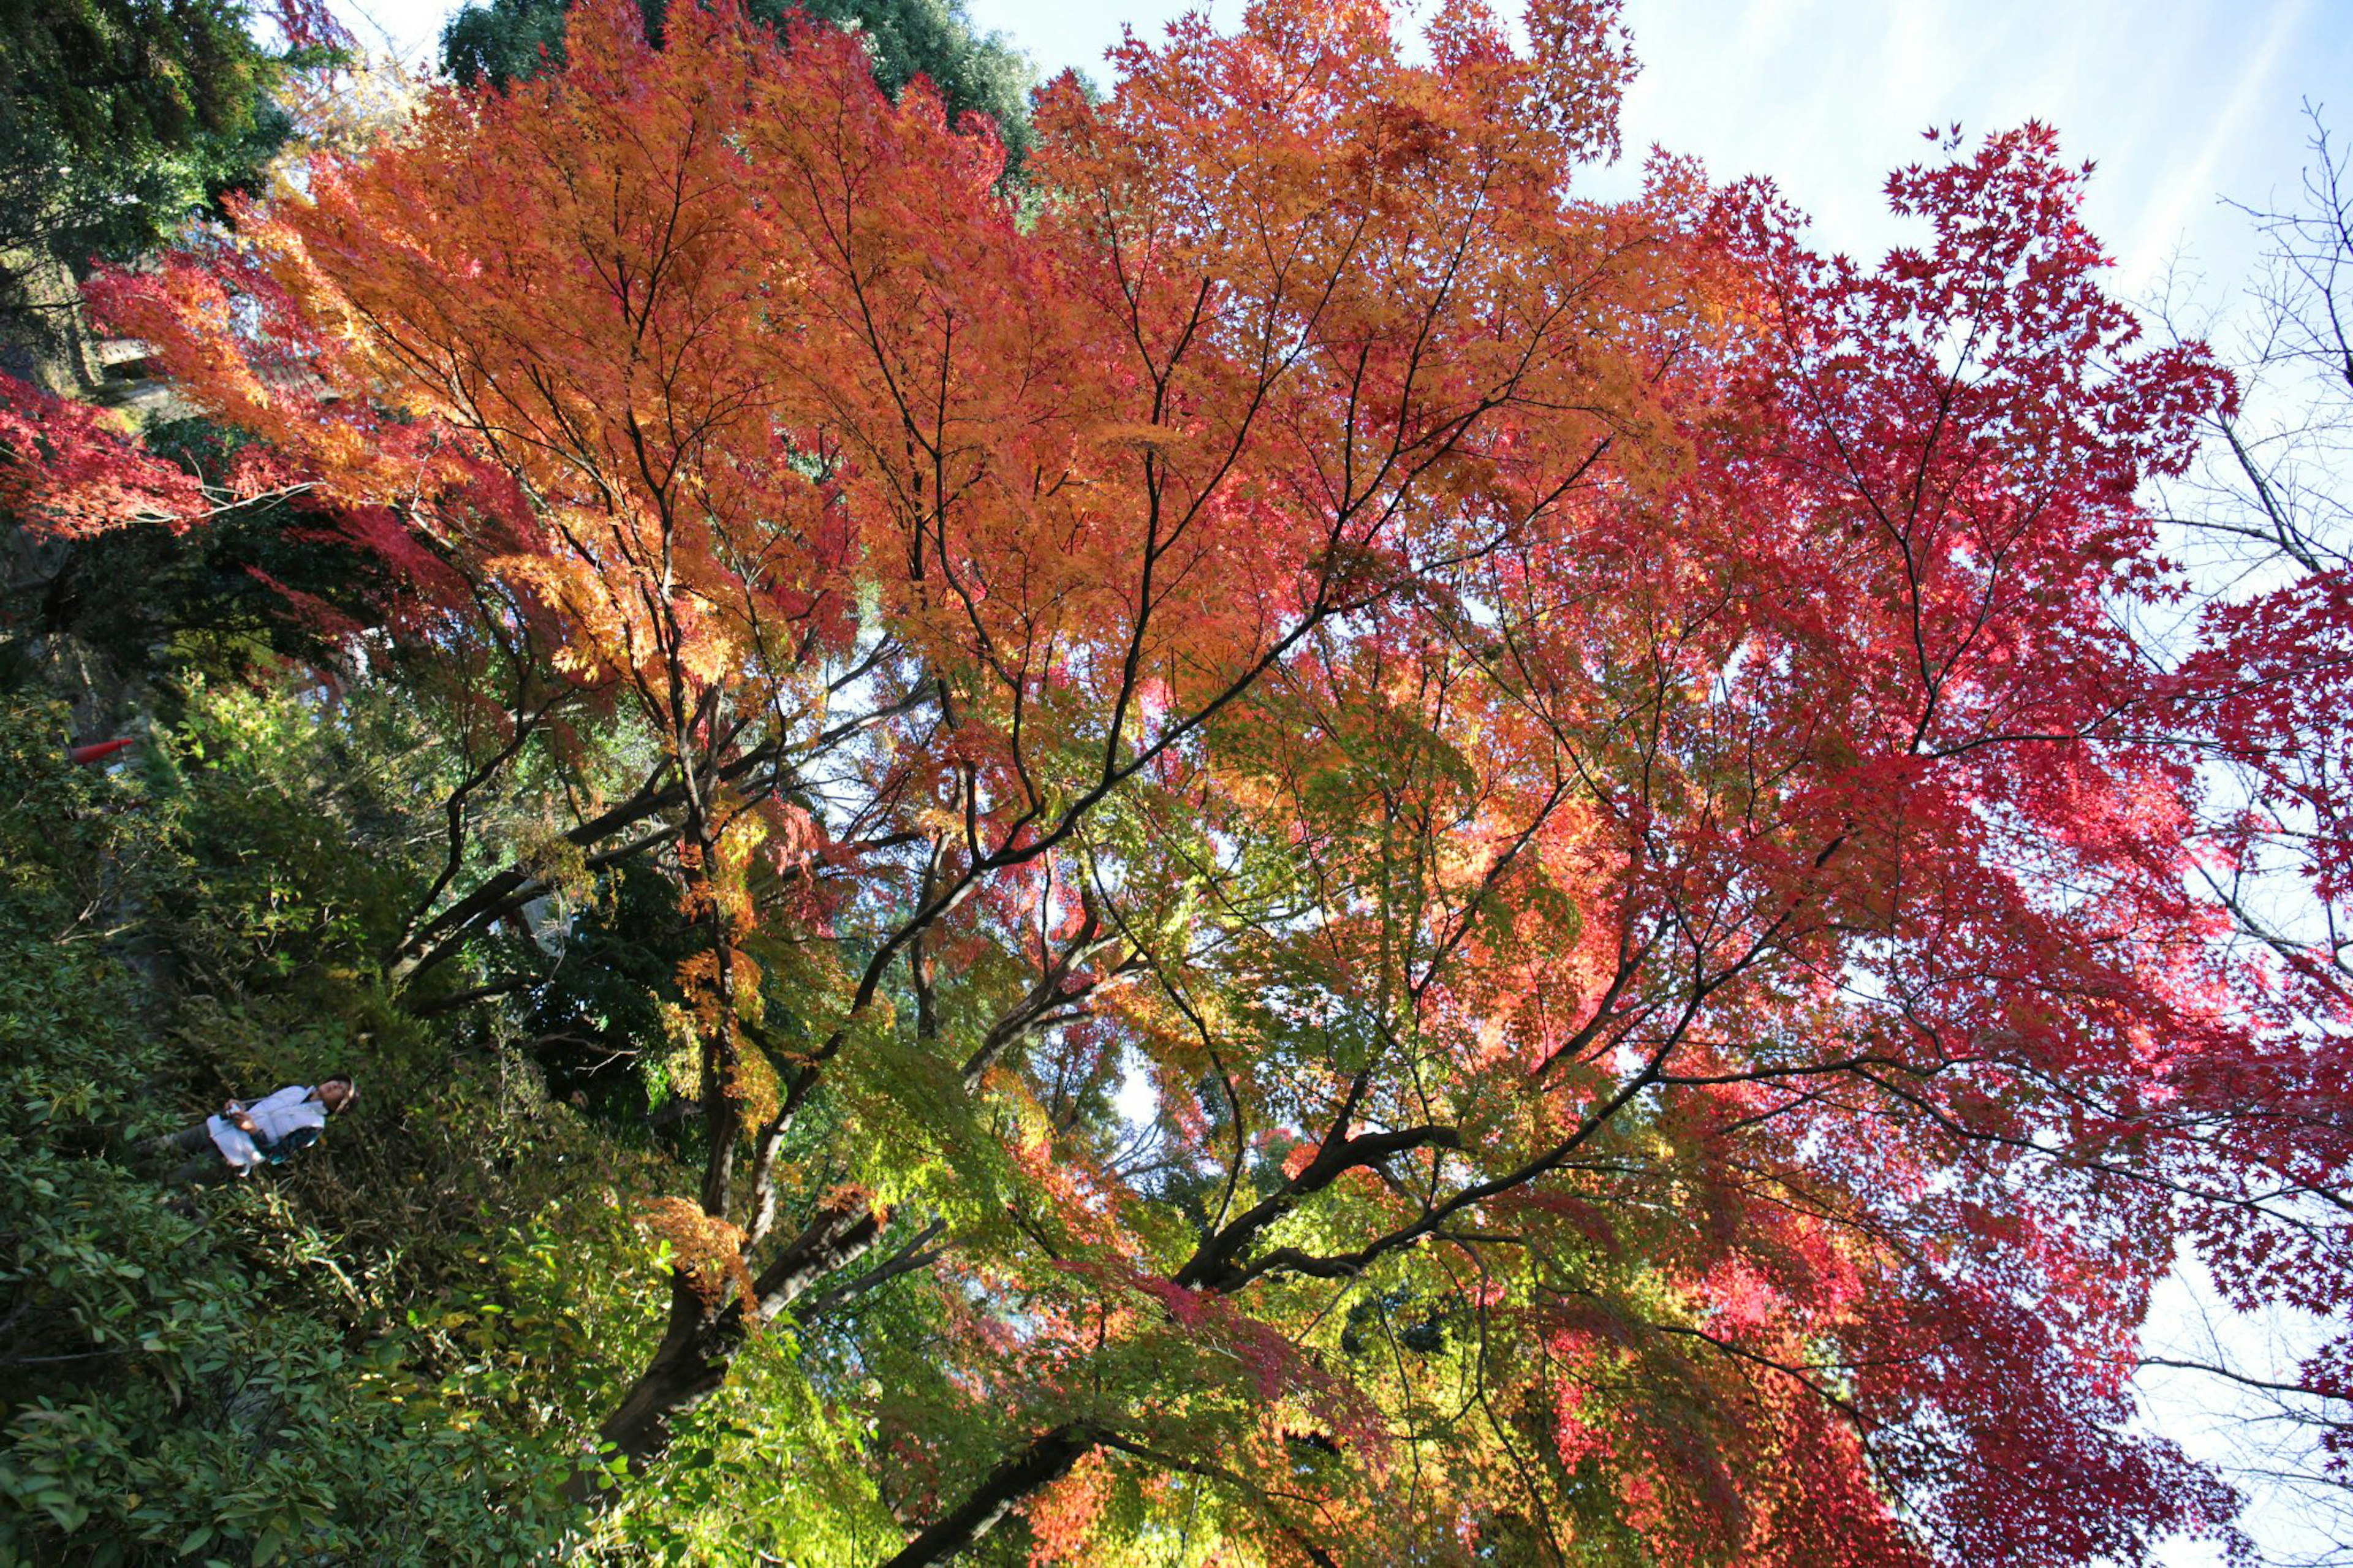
698,1345
702,1339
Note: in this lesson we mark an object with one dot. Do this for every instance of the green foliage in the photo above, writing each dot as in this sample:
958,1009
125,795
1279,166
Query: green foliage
298,865
246,1385
118,117
974,73
601,1007
503,41
390,1350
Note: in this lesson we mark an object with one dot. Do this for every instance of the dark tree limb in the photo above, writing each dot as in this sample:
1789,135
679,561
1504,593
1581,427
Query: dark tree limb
1044,1459
918,1253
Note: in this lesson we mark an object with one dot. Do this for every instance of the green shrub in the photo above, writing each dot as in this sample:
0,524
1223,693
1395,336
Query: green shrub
206,1389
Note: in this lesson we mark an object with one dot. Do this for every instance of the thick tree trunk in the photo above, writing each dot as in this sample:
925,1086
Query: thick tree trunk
697,1347
701,1342
1048,1458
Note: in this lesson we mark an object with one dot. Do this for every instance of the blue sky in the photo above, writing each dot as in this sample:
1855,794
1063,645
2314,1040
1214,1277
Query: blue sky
2180,102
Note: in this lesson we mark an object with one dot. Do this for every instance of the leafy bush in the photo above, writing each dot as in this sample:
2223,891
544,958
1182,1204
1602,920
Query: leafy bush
169,1390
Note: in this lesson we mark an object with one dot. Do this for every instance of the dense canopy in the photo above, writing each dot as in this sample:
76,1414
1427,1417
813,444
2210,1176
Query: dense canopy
1290,847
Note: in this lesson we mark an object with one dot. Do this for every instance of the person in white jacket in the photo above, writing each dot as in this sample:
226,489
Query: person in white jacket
250,1133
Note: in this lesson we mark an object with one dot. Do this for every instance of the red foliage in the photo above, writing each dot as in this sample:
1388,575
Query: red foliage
1604,737
68,470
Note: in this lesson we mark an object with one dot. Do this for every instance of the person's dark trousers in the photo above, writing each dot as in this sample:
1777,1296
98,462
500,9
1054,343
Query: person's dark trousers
201,1162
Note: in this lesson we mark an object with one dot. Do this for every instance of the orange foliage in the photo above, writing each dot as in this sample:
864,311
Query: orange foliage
1591,729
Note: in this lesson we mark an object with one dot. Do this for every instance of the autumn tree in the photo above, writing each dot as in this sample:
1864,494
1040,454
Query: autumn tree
1431,870
2260,690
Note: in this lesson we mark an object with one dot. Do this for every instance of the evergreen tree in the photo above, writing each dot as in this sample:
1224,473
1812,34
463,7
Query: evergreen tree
507,39
118,119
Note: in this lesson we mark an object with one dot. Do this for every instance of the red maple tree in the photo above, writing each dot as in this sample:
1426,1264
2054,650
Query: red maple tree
1584,753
